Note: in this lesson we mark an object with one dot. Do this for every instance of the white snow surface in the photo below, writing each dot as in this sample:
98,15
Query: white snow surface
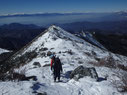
59,41
3,50
89,37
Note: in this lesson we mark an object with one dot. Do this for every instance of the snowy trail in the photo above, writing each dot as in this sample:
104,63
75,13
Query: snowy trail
51,87
85,86
45,83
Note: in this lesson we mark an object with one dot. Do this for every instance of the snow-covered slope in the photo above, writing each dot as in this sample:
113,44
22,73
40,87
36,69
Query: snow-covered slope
3,50
73,52
89,37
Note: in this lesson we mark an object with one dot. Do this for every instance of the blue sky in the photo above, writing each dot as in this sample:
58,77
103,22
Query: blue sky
34,6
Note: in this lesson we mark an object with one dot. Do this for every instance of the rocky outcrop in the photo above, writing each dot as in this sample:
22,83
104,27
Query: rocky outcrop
16,62
37,64
82,71
16,76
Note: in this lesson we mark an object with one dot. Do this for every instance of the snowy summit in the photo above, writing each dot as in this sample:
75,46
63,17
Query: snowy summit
73,52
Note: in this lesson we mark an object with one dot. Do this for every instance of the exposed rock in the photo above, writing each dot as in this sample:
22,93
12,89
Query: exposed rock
93,53
54,38
43,54
81,71
37,64
51,48
87,53
80,62
46,65
42,44
98,59
70,52
5,56
120,66
59,52
49,53
42,93
16,76
43,49
46,61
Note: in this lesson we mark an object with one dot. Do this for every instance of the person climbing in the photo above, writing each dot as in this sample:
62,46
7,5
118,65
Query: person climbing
56,67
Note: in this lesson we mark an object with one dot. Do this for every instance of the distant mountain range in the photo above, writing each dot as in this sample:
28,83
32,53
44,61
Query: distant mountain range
54,14
19,26
40,14
15,35
47,19
105,26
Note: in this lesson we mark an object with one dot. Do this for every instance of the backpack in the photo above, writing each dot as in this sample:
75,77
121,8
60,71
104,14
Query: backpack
57,64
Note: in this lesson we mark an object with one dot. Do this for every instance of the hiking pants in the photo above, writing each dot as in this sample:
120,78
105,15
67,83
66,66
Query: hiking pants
56,75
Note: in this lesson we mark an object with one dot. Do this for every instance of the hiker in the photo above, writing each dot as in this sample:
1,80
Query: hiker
56,67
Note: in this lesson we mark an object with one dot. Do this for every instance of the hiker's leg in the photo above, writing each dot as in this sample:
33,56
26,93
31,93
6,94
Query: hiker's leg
58,76
55,77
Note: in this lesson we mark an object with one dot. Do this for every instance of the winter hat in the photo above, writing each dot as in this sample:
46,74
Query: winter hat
51,56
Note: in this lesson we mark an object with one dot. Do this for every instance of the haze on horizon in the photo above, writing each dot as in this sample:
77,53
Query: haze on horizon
60,6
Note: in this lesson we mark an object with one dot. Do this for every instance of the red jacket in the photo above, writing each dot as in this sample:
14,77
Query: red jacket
52,61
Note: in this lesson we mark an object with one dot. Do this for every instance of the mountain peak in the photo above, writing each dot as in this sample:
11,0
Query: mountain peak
58,32
54,28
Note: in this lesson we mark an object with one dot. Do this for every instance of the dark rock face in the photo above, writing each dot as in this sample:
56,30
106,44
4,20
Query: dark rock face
16,76
43,49
81,71
49,53
5,56
37,64
43,93
16,62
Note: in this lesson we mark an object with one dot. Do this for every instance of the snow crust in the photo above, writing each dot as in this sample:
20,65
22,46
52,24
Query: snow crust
59,41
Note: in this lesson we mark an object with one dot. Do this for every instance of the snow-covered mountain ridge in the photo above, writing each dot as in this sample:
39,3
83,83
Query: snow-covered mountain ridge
72,52
55,36
89,37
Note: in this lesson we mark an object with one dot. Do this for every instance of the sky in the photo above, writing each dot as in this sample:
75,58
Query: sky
61,6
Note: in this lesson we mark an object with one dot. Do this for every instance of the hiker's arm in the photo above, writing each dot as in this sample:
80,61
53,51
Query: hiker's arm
51,63
61,69
51,67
